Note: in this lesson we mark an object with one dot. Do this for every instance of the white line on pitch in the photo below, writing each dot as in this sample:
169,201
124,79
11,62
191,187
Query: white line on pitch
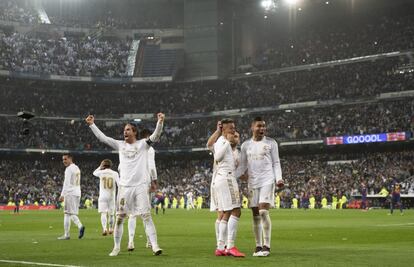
37,263
400,224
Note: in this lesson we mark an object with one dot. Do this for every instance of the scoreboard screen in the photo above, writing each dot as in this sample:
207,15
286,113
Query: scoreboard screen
366,138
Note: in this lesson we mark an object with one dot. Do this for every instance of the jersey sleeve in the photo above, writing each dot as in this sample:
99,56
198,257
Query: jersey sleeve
277,169
220,149
103,138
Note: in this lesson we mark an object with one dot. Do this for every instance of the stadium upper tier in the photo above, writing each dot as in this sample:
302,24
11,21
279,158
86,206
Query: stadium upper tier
124,14
351,81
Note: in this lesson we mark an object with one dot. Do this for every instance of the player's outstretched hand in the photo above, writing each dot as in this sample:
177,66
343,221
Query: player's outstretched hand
90,119
161,117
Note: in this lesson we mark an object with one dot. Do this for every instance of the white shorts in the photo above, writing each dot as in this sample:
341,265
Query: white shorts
106,205
133,200
264,194
213,199
226,192
71,205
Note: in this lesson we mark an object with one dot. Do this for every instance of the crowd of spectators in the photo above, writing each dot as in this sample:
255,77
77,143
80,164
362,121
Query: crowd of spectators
126,14
296,124
318,175
63,56
366,79
18,11
317,36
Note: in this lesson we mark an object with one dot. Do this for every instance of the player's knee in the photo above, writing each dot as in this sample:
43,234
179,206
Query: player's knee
120,218
146,217
236,213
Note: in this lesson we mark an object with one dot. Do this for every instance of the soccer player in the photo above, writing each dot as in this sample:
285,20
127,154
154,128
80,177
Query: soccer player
364,193
396,198
152,183
190,200
71,193
106,201
260,157
226,190
133,195
160,201
17,199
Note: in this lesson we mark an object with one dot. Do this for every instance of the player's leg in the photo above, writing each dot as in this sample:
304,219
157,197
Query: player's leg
266,199
163,206
104,222
123,206
257,220
74,215
143,208
66,226
132,224
222,233
401,206
103,210
391,206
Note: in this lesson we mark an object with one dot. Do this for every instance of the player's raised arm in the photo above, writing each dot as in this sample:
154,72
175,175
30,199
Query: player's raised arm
155,136
277,169
90,120
213,138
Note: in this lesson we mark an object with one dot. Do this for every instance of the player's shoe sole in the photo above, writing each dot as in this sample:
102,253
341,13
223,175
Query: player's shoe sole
114,252
81,232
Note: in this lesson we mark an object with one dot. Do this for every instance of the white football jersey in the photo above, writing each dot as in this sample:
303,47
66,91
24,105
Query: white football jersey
107,182
133,158
223,157
71,184
261,158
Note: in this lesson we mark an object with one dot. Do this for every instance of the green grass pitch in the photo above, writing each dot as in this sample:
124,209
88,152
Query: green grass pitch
299,238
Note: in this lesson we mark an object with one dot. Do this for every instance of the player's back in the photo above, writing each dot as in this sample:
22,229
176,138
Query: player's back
107,183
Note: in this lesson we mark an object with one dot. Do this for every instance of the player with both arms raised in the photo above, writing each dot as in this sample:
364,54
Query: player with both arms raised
260,157
133,184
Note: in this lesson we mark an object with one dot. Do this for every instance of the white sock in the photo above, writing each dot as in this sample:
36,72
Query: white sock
232,231
76,221
118,232
150,229
111,221
216,227
222,234
258,230
132,223
103,221
267,227
66,224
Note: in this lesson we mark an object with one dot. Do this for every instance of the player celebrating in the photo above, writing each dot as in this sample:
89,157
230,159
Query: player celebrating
226,191
107,187
71,194
133,195
152,184
260,156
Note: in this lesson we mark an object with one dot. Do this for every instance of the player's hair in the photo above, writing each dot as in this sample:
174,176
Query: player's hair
107,163
145,133
258,118
227,120
68,155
